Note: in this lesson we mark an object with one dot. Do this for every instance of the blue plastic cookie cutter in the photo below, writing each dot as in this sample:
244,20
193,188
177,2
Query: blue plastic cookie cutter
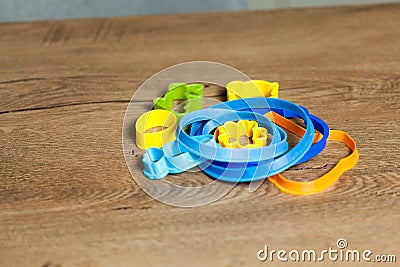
255,171
187,151
230,165
319,125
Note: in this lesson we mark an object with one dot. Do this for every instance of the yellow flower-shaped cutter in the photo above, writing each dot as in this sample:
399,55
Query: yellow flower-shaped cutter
252,88
230,134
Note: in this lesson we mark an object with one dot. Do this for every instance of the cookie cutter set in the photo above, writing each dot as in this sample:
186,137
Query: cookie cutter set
240,140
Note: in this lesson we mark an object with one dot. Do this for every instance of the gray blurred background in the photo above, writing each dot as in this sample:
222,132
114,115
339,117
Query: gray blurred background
27,10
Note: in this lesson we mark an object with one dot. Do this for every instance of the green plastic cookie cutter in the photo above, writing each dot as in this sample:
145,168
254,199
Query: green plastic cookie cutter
191,94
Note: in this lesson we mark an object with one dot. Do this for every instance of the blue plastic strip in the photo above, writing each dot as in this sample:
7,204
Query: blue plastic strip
318,124
234,165
189,151
278,144
260,170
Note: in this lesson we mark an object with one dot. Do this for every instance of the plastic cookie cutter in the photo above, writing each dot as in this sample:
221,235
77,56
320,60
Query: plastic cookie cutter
155,128
231,134
191,94
322,183
320,137
188,151
257,170
252,88
290,126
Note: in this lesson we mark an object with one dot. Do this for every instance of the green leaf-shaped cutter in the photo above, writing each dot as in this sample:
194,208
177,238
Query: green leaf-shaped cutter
192,94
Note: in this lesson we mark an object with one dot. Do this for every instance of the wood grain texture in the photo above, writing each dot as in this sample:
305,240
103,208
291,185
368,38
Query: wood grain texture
68,199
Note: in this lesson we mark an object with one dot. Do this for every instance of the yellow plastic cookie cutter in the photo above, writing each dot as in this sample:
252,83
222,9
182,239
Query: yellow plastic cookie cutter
151,120
325,181
230,134
252,88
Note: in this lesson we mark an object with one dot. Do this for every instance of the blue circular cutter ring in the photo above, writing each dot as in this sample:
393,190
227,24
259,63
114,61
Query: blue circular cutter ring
261,170
319,125
188,151
278,144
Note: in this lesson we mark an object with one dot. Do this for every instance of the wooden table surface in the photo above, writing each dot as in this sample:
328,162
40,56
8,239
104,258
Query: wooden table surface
67,197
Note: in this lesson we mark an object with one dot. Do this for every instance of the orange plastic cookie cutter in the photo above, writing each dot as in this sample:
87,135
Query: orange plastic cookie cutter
322,183
290,126
230,133
252,88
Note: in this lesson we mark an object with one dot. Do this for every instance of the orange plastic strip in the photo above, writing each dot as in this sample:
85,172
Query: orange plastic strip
322,183
290,126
